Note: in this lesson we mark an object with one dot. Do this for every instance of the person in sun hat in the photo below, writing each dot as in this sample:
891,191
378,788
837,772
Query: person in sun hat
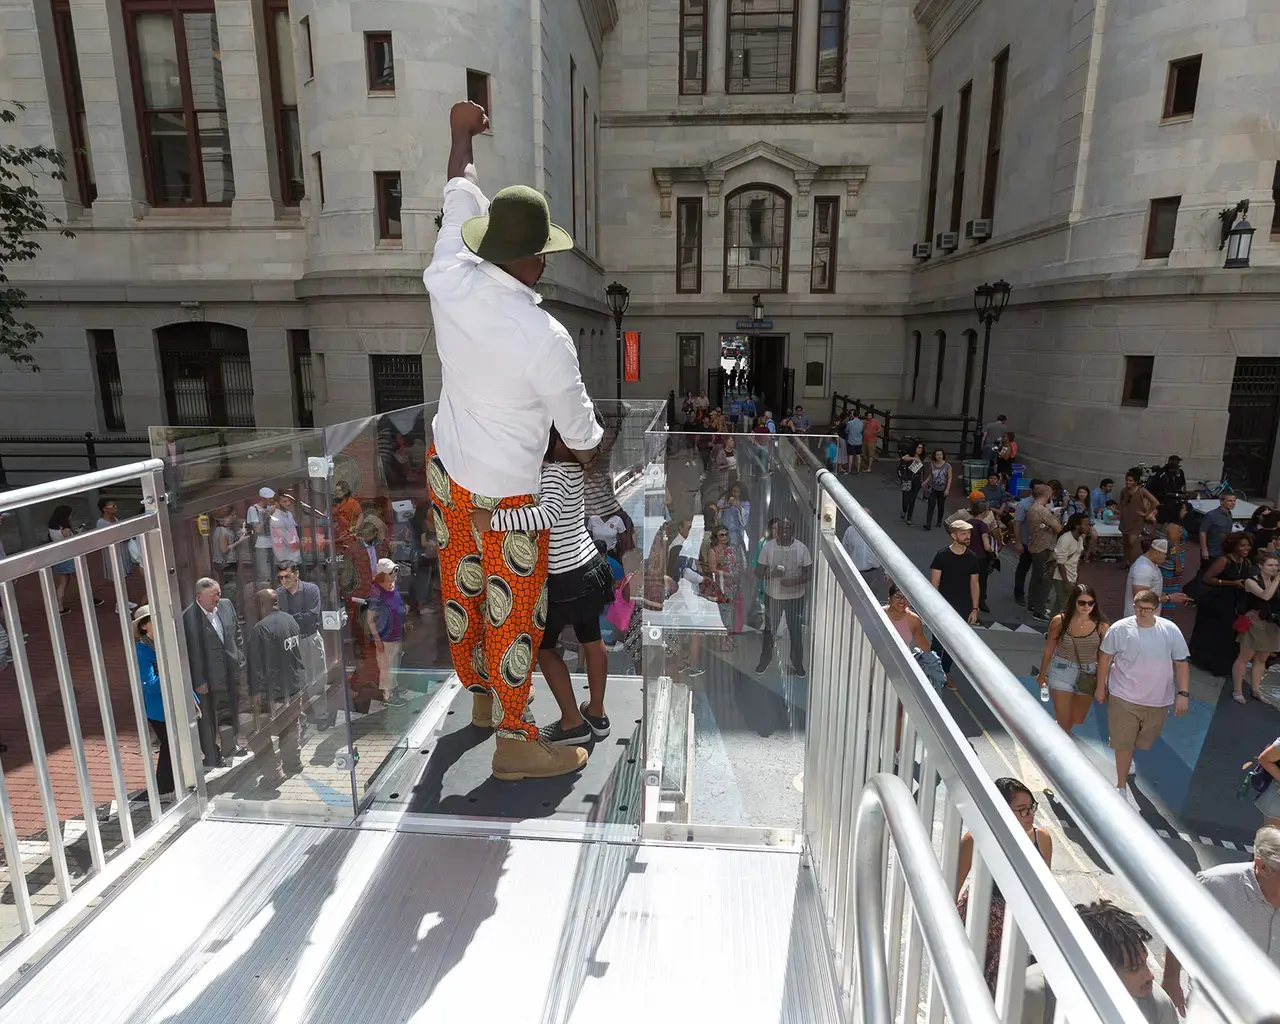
509,371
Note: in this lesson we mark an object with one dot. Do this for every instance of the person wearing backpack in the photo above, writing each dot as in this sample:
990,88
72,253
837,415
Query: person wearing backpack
910,467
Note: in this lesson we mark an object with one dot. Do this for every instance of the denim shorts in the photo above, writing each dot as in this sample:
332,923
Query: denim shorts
1062,675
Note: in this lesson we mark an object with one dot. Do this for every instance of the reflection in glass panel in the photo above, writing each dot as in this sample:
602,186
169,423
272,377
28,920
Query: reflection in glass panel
215,158
204,61
822,273
158,61
389,205
830,37
690,245
761,46
294,185
756,241
284,61
693,46
170,158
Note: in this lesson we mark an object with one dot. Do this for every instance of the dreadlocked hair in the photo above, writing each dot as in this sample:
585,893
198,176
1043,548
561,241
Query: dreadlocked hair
1117,932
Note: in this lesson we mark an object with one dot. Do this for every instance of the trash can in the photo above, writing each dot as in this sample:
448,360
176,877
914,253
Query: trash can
975,474
1015,478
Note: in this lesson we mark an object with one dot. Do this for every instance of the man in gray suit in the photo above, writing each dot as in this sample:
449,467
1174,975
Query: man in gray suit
216,654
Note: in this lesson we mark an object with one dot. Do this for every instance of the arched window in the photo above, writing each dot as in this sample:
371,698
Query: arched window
942,358
208,381
757,235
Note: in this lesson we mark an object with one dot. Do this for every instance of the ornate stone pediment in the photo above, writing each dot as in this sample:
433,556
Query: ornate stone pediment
805,172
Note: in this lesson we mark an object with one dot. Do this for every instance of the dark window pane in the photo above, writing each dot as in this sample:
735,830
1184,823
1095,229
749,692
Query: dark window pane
831,46
761,46
1184,83
478,90
813,372
693,47
388,206
689,245
397,382
1161,227
822,272
158,61
170,159
381,64
294,186
756,222
110,389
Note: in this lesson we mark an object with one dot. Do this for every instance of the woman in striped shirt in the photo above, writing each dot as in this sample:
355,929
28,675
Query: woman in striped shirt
579,585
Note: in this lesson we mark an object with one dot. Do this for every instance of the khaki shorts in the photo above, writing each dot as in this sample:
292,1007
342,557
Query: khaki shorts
1133,726
869,449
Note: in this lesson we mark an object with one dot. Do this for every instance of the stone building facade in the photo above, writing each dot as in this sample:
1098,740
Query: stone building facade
261,184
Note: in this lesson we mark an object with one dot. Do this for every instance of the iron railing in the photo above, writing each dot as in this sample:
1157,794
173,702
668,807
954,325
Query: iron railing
853,736
87,448
955,435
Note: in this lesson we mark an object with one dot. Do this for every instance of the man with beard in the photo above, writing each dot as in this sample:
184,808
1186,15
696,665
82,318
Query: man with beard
508,372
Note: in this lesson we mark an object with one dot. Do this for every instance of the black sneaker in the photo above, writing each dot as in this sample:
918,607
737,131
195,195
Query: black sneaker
599,723
798,671
394,700
761,668
558,736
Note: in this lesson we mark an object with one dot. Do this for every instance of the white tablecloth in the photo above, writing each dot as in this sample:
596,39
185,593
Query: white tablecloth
1243,510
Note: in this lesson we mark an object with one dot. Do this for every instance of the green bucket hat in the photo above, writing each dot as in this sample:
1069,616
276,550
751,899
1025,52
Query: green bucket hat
518,226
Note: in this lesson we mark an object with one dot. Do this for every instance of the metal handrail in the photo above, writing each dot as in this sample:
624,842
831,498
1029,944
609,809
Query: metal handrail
1236,973
21,497
886,802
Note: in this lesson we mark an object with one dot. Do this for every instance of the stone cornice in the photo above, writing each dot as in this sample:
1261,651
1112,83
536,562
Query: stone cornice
703,116
941,18
805,172
600,17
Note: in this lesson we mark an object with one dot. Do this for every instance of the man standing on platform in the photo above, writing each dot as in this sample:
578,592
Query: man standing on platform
509,370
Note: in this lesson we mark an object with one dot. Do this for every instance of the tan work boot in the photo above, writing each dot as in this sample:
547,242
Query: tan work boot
482,710
514,760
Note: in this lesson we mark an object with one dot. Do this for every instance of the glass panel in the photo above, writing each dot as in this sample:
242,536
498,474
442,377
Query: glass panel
284,60
204,61
158,61
830,33
726,608
215,156
382,71
274,716
823,236
761,43
170,158
389,201
692,31
690,228
756,232
294,186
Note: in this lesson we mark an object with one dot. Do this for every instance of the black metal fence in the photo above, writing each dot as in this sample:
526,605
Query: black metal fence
70,453
958,436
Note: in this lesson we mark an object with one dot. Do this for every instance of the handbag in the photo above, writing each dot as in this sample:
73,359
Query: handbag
1242,624
618,611
1086,682
1256,780
931,665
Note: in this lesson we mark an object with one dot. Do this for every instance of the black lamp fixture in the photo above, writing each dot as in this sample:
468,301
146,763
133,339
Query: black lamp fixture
619,297
1237,236
757,307
989,301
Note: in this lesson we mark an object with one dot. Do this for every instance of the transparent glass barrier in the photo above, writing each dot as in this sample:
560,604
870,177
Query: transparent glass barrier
255,540
730,528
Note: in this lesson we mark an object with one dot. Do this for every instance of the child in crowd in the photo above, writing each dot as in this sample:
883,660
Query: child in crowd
833,453
1111,512
579,585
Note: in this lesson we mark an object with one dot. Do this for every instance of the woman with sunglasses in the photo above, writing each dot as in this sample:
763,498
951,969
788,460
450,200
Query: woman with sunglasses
1023,805
1069,665
722,583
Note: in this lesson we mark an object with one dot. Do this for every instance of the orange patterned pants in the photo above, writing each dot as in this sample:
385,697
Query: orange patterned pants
494,587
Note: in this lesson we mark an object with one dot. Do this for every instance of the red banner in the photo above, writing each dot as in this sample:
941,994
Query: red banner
631,356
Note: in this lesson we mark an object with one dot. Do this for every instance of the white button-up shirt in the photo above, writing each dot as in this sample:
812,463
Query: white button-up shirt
509,369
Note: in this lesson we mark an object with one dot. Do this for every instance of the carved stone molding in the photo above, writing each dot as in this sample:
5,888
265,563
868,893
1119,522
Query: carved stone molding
804,172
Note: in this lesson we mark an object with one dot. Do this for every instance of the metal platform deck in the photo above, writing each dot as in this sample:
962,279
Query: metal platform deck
258,923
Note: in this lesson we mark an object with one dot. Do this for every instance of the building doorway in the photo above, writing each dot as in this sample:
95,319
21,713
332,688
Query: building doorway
1253,416
755,363
690,364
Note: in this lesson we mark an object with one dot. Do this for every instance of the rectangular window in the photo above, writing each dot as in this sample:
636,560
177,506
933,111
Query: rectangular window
831,14
304,396
305,25
573,145
1275,199
690,363
69,65
935,157
284,91
995,128
379,62
693,47
962,144
915,373
762,46
1162,222
318,167
397,382
1181,87
817,355
942,363
387,186
1137,380
688,245
588,175
110,389
176,60
595,180
478,91
826,225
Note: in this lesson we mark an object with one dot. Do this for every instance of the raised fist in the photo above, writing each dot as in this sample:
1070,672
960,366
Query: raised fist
467,117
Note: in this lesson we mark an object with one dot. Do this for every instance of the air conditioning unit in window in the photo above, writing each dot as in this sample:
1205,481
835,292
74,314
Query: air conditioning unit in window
921,251
978,230
947,241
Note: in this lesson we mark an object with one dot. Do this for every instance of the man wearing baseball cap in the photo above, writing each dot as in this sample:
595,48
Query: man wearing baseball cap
954,574
509,370
384,623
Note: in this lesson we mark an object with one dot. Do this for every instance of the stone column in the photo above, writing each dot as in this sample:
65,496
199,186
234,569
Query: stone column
239,29
273,399
110,114
717,45
806,83
141,378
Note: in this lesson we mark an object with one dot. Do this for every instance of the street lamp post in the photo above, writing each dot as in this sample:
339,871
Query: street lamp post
989,301
619,297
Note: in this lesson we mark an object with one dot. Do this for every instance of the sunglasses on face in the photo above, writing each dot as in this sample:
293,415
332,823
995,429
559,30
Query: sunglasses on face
1085,604
1026,812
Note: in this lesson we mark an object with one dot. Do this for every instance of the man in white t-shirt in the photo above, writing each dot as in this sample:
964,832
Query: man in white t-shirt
285,546
785,565
1145,574
258,520
1142,663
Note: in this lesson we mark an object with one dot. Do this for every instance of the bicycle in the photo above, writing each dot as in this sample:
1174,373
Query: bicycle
1217,488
